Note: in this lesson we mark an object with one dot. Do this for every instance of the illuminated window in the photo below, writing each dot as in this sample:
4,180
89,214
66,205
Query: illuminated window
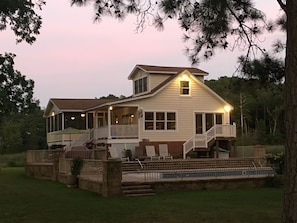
185,87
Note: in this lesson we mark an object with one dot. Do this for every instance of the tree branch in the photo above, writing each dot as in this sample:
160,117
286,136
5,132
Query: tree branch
282,5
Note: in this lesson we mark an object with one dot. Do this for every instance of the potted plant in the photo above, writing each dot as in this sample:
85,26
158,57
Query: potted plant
75,168
128,154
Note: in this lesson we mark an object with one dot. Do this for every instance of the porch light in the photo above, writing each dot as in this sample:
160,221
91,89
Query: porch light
132,116
227,108
185,77
110,108
82,115
72,118
53,113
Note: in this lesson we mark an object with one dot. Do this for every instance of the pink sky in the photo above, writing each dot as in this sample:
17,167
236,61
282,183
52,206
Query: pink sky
76,58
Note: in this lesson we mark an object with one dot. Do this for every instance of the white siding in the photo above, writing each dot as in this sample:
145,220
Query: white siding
169,99
185,107
157,79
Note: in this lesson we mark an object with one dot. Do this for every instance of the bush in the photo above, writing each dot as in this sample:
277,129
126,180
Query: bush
276,181
12,160
277,162
76,165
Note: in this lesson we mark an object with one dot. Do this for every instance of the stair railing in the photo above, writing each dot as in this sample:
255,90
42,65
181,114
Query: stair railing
82,139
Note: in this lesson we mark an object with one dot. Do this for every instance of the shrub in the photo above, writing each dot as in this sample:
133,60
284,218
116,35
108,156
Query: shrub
277,162
76,165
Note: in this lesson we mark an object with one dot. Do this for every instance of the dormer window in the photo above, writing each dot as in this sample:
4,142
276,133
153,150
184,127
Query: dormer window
140,85
184,87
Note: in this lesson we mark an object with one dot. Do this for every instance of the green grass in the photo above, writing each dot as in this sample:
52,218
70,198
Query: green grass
25,199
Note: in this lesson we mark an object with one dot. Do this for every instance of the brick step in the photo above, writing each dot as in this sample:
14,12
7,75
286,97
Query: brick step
133,190
139,195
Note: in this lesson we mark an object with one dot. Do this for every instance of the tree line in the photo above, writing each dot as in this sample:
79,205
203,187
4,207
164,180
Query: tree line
258,109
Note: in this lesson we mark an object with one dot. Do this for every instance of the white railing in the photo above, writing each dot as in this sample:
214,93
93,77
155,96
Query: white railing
202,140
124,131
116,131
82,139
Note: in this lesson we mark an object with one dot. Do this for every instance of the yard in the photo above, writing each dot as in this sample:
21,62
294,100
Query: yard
26,199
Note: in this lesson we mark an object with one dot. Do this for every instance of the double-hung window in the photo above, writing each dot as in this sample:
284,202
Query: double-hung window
184,87
160,120
140,85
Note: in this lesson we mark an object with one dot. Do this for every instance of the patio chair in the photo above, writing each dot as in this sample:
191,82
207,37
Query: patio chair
151,152
139,153
163,151
115,154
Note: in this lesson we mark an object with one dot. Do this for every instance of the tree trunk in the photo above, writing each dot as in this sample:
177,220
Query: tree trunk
290,194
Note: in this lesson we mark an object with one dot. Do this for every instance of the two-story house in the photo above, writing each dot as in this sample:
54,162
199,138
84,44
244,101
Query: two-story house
169,105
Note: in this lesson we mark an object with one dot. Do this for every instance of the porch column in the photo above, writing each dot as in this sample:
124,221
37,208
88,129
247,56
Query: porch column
63,121
109,121
87,120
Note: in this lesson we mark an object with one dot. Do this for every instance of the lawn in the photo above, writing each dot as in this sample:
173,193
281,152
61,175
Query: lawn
24,199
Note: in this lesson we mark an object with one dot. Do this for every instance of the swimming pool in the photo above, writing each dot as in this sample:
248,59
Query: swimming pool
218,173
198,174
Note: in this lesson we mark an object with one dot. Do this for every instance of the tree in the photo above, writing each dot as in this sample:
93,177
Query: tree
267,69
16,91
21,18
258,108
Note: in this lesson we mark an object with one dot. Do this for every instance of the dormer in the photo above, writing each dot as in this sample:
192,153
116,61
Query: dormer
146,77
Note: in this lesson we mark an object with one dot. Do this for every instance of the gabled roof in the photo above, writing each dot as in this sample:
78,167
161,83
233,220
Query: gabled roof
165,70
74,104
163,85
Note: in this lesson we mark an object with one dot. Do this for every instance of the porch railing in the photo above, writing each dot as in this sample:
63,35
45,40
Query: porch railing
116,132
202,140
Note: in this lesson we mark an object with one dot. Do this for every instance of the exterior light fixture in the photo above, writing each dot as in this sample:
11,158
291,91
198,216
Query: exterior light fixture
82,115
110,108
227,108
72,118
53,113
185,77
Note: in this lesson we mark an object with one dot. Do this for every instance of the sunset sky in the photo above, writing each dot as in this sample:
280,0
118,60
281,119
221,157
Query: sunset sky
74,57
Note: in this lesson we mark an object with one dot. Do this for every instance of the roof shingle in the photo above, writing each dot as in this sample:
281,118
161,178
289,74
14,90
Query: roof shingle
77,104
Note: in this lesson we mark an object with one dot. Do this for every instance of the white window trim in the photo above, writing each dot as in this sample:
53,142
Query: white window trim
185,95
147,85
154,121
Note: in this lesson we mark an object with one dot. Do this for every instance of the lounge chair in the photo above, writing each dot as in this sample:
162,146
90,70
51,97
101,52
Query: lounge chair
139,153
151,152
163,151
115,155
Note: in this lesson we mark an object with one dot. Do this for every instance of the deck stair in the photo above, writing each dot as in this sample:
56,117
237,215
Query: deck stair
132,189
204,141
130,166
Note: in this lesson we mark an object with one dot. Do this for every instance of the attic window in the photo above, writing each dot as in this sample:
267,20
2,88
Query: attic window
140,85
185,87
